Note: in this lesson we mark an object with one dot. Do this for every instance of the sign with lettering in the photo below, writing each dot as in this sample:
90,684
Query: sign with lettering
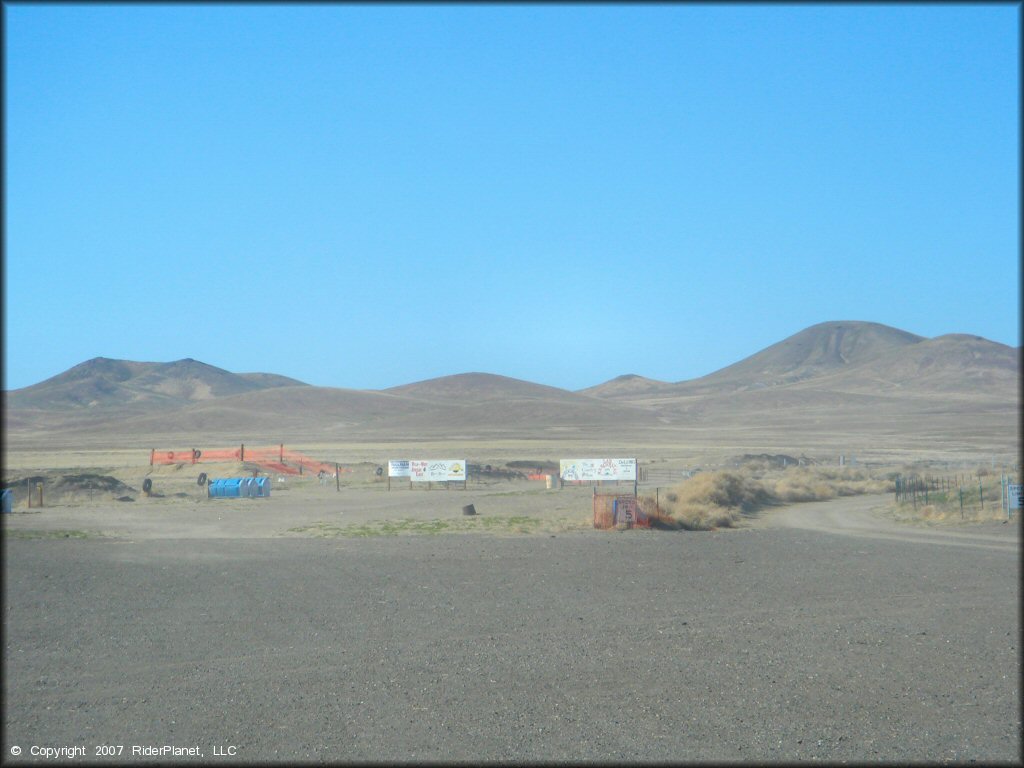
437,470
398,468
597,469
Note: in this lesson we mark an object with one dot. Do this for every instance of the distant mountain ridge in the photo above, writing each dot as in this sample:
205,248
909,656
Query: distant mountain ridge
855,376
839,351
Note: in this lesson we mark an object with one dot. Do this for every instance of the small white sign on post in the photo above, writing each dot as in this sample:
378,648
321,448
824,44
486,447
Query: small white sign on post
398,468
1013,493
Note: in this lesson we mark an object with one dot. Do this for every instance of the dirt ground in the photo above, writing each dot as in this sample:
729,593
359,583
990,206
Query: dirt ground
298,628
305,504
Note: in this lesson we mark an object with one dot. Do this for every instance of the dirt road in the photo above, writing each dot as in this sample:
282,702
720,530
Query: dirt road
862,517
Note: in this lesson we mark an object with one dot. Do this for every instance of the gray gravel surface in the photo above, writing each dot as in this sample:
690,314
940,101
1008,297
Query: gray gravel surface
763,644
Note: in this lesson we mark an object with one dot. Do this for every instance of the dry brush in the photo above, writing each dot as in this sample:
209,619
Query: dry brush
712,500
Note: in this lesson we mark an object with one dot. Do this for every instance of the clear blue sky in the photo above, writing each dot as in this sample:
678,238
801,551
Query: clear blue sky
363,197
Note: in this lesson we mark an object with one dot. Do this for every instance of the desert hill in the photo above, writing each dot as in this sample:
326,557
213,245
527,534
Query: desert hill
846,356
437,409
813,352
954,365
628,386
821,349
119,384
479,386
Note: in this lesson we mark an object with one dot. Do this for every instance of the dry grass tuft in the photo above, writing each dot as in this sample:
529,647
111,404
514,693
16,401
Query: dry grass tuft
824,483
723,489
714,500
802,487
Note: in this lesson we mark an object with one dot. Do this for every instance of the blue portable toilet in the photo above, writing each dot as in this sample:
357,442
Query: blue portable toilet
248,488
263,487
7,501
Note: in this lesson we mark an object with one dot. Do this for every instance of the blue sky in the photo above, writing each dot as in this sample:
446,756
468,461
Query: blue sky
364,197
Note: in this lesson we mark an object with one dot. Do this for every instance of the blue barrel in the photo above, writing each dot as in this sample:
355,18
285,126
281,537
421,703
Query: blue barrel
224,488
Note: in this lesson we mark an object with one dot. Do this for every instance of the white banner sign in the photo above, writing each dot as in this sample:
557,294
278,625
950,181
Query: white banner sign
398,468
597,469
437,470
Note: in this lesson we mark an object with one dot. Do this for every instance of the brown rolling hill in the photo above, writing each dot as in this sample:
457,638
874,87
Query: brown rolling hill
119,384
479,387
821,349
629,386
846,357
816,351
954,365
447,408
833,381
854,382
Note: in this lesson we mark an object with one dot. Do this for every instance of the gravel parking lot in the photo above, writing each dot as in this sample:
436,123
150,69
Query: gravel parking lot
776,642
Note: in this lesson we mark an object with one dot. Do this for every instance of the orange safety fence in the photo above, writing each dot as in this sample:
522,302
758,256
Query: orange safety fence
276,458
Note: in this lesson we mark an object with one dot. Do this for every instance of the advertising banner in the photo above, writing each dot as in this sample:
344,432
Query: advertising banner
398,468
587,470
437,470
